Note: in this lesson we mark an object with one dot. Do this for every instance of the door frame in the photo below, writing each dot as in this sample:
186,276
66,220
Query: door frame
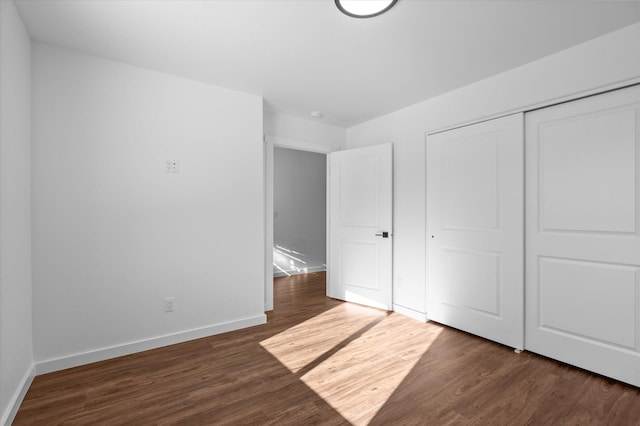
271,142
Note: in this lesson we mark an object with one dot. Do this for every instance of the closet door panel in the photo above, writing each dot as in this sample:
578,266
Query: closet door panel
475,229
582,233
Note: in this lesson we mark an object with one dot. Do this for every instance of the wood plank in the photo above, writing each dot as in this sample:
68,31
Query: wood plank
322,361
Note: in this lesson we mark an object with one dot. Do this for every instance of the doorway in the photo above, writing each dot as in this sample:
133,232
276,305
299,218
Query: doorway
299,212
360,191
295,207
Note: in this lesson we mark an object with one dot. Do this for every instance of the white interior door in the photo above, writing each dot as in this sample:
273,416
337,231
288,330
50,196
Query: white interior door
583,233
475,229
360,225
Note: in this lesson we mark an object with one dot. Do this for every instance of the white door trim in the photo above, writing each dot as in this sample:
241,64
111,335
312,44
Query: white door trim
280,142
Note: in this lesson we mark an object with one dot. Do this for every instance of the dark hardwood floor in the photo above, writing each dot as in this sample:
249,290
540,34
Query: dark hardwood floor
322,361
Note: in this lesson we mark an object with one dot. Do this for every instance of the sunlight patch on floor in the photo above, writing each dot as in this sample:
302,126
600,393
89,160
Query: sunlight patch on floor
285,261
302,344
354,364
360,378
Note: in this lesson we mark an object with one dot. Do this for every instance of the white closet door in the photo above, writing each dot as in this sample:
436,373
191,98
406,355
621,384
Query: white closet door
583,233
475,227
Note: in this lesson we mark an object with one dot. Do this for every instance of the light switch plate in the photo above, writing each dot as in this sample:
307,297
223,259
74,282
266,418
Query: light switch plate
172,166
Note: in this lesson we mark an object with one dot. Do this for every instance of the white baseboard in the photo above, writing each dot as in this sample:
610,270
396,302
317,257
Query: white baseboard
102,354
407,312
279,274
18,396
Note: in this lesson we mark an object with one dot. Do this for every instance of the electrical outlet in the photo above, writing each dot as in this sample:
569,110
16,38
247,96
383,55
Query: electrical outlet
172,166
168,304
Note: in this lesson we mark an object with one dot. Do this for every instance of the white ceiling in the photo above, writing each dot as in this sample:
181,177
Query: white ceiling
304,55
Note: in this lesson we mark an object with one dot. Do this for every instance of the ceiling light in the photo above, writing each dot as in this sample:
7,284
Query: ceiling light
316,114
364,8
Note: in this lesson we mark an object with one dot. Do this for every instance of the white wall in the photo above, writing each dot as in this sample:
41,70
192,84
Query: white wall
16,353
298,133
597,64
300,192
114,234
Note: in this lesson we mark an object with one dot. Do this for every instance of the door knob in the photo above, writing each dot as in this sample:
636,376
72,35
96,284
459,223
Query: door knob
383,235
